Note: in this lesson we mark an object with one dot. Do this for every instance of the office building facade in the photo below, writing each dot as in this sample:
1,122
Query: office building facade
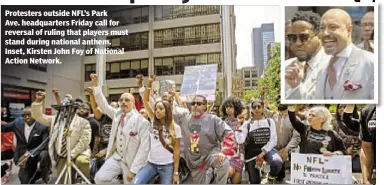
261,38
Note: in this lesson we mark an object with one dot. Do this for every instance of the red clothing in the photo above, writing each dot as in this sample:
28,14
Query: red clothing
138,104
7,140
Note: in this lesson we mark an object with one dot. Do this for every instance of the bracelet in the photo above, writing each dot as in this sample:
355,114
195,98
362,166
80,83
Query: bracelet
175,173
148,88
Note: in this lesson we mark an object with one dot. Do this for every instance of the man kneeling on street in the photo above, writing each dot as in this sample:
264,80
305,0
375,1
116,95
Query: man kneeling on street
128,146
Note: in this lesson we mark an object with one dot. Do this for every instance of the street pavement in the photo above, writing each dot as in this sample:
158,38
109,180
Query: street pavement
15,179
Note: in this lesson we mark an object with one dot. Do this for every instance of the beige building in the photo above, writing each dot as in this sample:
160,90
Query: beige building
162,40
250,76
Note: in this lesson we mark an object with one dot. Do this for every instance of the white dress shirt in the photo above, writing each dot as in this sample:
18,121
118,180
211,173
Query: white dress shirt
341,59
27,130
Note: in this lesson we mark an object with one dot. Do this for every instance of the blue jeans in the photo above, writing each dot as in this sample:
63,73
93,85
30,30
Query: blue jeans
150,170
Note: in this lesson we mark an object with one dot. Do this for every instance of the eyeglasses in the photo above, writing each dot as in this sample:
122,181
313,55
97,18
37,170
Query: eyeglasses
256,106
197,103
125,100
292,38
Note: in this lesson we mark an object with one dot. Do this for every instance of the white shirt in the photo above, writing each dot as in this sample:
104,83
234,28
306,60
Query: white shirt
158,154
314,62
341,59
27,130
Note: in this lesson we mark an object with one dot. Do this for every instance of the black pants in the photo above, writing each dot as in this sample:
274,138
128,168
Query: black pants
26,174
6,155
274,161
356,167
281,175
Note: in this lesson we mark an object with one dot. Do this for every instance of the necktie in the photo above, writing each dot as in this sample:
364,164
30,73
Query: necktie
306,66
64,143
332,72
122,119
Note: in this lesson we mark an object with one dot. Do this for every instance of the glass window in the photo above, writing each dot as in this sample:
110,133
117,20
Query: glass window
158,13
166,12
144,67
254,83
125,71
201,34
254,74
164,66
135,41
144,14
167,9
247,83
247,74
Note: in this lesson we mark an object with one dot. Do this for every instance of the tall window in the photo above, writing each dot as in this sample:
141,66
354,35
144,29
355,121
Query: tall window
247,74
126,69
89,69
254,73
176,65
130,16
247,83
201,34
131,42
254,83
167,12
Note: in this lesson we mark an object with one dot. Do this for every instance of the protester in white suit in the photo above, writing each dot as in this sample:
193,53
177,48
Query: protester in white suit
306,45
349,73
128,145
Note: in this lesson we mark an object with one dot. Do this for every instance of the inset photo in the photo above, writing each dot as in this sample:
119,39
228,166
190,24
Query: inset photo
330,55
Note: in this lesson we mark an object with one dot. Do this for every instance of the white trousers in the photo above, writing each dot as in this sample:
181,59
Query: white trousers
110,170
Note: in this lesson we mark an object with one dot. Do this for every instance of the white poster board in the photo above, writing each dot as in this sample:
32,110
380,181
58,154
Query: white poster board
320,169
199,80
16,109
162,86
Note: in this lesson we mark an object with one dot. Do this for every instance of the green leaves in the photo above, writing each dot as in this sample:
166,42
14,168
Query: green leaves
270,79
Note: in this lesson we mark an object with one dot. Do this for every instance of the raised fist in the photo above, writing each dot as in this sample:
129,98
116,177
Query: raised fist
55,91
90,90
95,81
40,96
292,75
151,79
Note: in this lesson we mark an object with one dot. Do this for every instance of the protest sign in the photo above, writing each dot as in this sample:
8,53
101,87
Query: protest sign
320,169
199,80
162,86
238,88
16,110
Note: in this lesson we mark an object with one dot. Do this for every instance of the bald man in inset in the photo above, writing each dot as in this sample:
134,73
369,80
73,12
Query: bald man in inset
349,73
366,28
128,145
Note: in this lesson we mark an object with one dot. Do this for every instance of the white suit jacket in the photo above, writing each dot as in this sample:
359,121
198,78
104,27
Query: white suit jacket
358,68
136,131
317,62
80,137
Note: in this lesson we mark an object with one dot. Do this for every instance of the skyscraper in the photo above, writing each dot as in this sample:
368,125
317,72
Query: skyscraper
261,38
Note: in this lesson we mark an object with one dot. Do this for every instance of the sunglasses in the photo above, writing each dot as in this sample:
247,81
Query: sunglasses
256,106
292,38
197,103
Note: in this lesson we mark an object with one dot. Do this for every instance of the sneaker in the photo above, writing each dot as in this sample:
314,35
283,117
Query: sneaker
271,180
46,179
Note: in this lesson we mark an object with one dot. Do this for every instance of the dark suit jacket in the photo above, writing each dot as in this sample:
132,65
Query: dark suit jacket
38,134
